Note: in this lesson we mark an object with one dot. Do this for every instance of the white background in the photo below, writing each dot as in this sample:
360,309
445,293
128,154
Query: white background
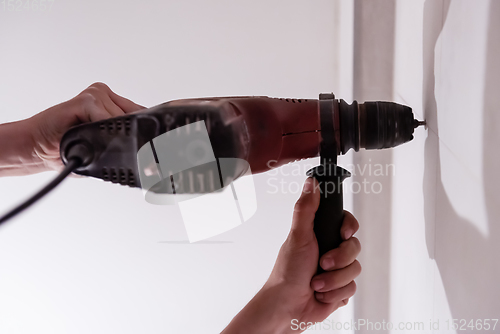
95,257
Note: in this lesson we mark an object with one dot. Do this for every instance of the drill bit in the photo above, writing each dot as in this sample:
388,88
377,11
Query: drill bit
417,123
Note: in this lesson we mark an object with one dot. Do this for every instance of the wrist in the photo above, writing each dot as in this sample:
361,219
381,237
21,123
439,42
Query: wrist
266,313
17,152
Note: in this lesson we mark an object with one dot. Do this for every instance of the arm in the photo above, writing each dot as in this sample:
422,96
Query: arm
293,290
32,145
16,150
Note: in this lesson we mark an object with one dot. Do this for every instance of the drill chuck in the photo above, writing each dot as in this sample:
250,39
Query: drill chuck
374,125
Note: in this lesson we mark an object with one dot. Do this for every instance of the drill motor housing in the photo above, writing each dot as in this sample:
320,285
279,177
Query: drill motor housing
266,132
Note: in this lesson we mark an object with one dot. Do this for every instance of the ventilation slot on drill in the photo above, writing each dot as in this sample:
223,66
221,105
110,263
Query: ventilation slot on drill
105,174
169,122
123,176
131,178
111,127
114,176
293,100
128,126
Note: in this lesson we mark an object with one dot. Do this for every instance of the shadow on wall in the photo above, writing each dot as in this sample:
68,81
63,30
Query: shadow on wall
373,81
467,261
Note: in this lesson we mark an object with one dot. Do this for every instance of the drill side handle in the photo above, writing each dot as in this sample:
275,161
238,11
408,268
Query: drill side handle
330,214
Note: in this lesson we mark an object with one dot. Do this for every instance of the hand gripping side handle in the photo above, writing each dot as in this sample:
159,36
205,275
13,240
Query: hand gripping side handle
330,214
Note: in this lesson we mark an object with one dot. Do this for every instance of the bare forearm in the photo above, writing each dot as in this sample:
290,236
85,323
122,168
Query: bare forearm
266,313
17,155
32,145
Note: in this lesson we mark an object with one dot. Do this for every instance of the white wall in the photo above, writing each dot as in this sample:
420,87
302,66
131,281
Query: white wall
460,72
439,238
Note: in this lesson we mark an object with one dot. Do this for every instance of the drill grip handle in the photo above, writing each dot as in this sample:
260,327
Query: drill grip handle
330,214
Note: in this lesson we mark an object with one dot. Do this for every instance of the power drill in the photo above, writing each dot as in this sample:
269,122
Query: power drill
265,132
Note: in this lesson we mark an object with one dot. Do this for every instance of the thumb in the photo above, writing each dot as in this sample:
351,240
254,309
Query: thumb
305,208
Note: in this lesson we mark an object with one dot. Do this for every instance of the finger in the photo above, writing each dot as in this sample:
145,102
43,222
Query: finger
95,112
341,256
332,280
343,302
350,225
340,295
306,206
125,104
111,107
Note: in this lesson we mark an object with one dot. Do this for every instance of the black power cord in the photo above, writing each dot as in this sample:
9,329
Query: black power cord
71,165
